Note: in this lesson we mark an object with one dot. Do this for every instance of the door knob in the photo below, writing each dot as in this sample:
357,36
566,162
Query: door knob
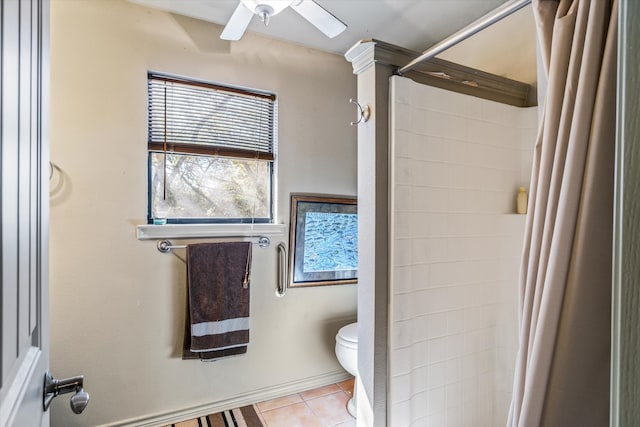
79,401
54,387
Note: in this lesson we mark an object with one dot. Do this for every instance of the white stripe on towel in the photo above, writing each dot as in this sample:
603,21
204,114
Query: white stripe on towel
204,350
220,327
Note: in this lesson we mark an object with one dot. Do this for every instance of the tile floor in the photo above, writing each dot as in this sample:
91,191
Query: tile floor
320,407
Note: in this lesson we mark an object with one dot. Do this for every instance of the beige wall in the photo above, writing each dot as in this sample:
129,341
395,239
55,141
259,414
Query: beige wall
116,302
487,51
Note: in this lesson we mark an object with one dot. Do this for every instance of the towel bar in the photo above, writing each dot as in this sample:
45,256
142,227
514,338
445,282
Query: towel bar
281,285
165,246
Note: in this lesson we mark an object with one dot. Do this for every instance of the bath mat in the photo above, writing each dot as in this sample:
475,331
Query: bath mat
239,417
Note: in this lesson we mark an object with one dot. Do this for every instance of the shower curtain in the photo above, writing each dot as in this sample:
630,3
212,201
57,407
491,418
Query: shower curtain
562,369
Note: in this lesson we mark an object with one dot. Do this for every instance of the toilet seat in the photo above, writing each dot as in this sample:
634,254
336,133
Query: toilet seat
348,336
349,332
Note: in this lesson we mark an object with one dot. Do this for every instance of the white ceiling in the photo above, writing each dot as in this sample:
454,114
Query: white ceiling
507,48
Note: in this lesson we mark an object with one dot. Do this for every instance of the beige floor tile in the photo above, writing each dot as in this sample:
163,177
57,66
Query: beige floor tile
350,423
331,409
279,402
317,392
347,385
296,415
261,417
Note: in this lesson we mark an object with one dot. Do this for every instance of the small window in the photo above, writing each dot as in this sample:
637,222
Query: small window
211,152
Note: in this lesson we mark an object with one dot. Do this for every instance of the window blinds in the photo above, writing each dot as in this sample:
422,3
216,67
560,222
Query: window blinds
203,118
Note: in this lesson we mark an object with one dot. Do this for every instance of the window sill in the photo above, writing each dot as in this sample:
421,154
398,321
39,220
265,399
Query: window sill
196,231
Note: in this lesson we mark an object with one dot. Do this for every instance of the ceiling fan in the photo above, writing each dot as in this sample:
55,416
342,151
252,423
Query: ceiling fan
265,9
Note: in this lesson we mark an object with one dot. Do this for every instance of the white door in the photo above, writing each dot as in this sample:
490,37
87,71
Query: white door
24,206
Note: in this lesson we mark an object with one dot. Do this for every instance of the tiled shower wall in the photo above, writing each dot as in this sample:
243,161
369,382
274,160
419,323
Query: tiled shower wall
456,163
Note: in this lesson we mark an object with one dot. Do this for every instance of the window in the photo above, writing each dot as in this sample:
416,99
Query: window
211,152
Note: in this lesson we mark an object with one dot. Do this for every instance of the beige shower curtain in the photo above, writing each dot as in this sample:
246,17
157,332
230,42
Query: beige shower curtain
562,368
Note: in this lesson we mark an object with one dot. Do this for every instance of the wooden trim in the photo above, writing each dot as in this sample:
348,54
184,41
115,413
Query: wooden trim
296,249
210,85
444,74
209,150
373,233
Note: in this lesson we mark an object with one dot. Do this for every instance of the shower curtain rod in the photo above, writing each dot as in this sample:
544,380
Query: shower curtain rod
487,20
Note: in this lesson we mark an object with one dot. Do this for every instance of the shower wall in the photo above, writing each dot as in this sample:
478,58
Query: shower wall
456,164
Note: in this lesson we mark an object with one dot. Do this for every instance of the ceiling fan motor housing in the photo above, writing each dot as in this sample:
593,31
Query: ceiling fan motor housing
264,11
266,7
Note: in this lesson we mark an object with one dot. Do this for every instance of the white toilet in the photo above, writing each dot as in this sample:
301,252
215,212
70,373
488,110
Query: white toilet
347,353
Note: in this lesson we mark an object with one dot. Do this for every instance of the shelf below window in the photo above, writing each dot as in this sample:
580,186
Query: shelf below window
197,231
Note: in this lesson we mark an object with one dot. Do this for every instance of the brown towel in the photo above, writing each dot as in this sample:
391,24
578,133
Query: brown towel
217,321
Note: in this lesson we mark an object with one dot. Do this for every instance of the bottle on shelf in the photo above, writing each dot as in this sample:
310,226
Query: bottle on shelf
521,201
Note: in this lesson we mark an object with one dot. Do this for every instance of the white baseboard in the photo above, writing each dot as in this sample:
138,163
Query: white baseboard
244,399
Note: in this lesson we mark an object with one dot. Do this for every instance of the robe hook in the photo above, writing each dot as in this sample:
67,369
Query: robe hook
363,112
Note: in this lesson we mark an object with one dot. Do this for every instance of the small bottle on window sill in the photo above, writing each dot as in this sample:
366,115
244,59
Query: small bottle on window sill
162,211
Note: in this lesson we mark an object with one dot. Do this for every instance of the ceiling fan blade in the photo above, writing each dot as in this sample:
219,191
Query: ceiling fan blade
237,24
320,17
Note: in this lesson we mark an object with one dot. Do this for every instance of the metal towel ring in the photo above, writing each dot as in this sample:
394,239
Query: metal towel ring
363,112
